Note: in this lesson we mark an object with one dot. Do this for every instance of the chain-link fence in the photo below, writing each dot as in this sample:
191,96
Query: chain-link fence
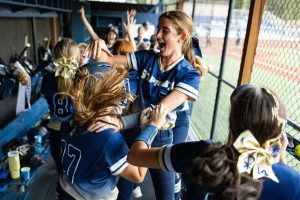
277,59
276,64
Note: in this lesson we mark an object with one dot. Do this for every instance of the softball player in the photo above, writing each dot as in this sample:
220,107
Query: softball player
167,77
93,160
250,166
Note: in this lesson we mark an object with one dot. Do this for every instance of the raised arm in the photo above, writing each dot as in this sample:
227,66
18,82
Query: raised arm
87,25
129,26
98,51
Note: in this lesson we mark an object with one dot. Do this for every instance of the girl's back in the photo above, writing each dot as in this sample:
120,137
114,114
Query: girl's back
91,166
288,187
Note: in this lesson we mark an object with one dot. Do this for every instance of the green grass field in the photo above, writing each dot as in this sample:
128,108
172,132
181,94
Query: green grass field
274,67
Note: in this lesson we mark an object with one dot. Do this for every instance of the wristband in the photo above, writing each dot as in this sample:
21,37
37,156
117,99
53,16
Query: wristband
148,135
131,121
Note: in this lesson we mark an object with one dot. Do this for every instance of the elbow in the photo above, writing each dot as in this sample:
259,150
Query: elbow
140,180
139,177
131,157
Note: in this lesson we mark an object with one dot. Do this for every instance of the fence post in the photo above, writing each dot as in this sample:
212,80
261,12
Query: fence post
220,77
251,39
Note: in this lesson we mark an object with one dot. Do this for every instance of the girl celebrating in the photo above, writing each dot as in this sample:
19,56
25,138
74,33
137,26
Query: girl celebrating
170,77
250,166
91,161
67,59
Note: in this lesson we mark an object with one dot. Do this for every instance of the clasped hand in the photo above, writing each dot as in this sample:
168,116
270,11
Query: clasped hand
154,116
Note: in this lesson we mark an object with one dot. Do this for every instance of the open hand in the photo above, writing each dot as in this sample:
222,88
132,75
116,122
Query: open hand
131,13
81,11
105,122
130,22
95,48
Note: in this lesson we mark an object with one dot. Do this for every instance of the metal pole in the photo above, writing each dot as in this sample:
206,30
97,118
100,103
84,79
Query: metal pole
34,47
221,70
193,11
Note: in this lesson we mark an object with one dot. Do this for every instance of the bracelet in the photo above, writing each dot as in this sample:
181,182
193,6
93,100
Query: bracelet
131,121
148,135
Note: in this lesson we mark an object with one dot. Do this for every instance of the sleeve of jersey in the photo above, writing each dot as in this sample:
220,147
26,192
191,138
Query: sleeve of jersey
115,154
179,157
189,85
137,59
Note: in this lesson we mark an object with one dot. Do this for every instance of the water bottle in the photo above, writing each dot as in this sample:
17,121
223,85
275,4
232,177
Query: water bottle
38,144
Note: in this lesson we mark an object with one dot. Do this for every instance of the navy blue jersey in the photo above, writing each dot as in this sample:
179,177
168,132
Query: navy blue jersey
179,158
91,161
98,67
60,108
133,78
288,187
157,82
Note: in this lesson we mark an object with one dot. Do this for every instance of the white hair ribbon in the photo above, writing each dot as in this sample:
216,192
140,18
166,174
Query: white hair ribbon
255,158
65,67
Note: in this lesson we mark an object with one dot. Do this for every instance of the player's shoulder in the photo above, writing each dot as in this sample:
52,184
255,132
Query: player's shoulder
285,173
286,188
49,86
186,65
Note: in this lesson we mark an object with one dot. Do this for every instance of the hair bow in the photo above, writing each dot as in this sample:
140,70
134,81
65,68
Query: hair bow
65,67
255,158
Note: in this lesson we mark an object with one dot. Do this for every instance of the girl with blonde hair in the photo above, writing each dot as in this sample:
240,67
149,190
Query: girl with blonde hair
55,86
170,77
93,160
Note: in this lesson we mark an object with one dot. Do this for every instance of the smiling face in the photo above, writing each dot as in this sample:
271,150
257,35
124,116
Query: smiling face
168,38
111,37
141,31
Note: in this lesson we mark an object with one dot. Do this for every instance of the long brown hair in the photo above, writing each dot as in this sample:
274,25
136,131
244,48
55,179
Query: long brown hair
92,95
184,24
258,110
252,108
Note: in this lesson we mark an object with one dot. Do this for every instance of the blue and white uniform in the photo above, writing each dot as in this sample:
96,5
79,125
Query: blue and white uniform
61,111
91,162
181,129
60,108
155,84
180,157
288,186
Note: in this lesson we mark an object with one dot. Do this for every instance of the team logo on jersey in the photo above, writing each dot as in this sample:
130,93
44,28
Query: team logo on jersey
151,79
